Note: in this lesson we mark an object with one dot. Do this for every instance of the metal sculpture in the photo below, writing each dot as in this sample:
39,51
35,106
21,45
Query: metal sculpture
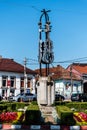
46,55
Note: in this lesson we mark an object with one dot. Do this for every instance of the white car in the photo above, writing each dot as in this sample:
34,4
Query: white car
25,97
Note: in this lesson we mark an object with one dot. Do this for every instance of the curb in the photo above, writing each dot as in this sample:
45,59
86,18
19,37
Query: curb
42,127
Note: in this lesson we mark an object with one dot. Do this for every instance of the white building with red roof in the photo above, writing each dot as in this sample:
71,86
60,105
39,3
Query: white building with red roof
65,82
80,70
12,81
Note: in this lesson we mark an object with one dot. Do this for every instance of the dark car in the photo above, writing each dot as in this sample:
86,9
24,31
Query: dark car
81,97
59,97
1,98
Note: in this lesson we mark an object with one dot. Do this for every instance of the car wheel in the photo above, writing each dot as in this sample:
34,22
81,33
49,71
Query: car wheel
34,99
82,100
19,99
62,99
0,98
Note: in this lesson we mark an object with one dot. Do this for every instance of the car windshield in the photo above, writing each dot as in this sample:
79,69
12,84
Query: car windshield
74,94
26,94
19,94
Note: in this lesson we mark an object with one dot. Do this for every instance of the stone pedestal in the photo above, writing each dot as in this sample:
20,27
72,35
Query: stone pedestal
45,91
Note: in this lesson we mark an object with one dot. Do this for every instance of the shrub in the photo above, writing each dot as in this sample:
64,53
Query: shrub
33,115
66,115
79,106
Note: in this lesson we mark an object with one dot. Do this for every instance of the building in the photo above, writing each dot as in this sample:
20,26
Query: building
12,78
80,69
65,81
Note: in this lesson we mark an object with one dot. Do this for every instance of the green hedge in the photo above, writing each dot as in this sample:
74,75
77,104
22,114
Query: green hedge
66,115
4,107
78,106
33,115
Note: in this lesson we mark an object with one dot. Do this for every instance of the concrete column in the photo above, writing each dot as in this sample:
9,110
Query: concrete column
45,91
53,93
49,95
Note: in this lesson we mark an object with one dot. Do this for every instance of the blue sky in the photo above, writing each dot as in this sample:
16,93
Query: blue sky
19,34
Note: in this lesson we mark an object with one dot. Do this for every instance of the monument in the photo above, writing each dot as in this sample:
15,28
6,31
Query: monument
45,85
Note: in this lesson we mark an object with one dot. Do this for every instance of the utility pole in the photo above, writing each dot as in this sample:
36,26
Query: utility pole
71,79
25,75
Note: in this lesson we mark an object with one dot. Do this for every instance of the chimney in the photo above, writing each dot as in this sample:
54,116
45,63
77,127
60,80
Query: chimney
0,57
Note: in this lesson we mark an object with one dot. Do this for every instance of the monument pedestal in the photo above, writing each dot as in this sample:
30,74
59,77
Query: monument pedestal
45,91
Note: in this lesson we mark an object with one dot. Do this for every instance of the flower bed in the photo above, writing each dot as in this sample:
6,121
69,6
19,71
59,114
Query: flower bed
11,117
81,118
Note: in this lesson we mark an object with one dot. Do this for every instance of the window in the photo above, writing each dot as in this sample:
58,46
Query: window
13,81
12,91
22,82
28,82
4,81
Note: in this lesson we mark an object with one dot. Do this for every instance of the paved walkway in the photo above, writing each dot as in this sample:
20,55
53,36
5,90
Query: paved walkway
49,114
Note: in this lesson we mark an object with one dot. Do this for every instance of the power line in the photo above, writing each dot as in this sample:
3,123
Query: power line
23,5
39,10
73,60
32,59
34,7
34,62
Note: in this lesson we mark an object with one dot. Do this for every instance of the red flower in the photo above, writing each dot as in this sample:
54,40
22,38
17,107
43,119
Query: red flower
83,116
8,116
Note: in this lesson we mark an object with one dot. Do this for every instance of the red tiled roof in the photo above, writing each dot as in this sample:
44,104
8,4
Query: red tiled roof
9,65
58,73
80,67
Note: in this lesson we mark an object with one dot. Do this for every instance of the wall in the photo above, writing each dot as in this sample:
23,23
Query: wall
63,87
17,86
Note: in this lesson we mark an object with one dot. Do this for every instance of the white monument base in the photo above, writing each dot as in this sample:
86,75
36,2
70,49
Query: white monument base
45,91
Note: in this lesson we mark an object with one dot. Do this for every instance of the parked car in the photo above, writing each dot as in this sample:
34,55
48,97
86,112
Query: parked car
25,97
81,97
1,98
59,97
